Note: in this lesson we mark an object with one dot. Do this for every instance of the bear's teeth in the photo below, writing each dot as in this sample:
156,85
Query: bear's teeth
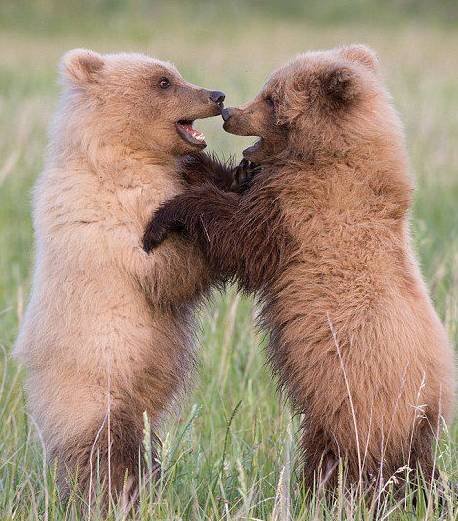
197,135
192,132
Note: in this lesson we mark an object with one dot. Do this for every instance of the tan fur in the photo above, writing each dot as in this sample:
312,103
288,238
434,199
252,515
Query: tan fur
108,331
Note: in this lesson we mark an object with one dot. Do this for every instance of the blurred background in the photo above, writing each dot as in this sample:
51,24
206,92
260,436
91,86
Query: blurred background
230,46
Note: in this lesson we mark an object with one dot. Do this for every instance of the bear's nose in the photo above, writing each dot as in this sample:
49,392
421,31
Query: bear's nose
217,96
226,113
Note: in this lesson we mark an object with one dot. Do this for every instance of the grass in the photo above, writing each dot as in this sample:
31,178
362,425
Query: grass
230,451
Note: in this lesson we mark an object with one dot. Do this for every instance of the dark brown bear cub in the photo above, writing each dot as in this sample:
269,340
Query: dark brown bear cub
323,238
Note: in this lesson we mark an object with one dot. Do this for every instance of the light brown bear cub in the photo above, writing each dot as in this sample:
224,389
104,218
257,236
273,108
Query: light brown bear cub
108,331
323,237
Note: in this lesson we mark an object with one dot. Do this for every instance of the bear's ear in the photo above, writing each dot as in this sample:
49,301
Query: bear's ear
340,85
81,66
361,54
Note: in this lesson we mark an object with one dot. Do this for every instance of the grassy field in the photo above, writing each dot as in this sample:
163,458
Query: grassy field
230,451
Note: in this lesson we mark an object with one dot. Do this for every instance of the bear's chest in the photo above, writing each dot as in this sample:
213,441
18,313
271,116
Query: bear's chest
141,195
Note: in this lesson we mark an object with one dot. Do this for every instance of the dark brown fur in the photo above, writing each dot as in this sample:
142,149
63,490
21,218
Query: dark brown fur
200,168
211,215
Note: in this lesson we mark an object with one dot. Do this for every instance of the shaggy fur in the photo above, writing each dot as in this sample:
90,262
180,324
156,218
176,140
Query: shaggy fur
323,238
108,330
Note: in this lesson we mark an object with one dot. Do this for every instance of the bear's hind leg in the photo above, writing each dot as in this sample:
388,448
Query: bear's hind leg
107,462
320,462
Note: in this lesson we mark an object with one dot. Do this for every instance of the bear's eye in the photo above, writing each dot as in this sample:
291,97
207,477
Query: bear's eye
164,83
269,101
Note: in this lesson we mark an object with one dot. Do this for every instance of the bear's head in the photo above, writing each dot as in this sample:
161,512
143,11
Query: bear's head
319,104
134,100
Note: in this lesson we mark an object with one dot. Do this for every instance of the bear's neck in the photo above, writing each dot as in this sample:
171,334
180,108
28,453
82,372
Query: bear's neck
371,178
112,161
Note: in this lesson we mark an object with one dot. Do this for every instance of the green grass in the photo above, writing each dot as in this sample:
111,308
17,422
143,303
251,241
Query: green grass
230,450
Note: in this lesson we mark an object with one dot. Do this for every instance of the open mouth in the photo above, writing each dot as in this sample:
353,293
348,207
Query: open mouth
253,148
189,134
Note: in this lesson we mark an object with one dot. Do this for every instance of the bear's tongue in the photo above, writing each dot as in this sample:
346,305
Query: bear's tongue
189,133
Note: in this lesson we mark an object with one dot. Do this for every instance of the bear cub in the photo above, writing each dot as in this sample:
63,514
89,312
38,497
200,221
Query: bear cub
109,331
322,237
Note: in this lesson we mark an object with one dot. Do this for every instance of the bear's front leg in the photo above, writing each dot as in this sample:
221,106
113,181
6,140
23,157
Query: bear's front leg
199,212
164,221
243,176
200,168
